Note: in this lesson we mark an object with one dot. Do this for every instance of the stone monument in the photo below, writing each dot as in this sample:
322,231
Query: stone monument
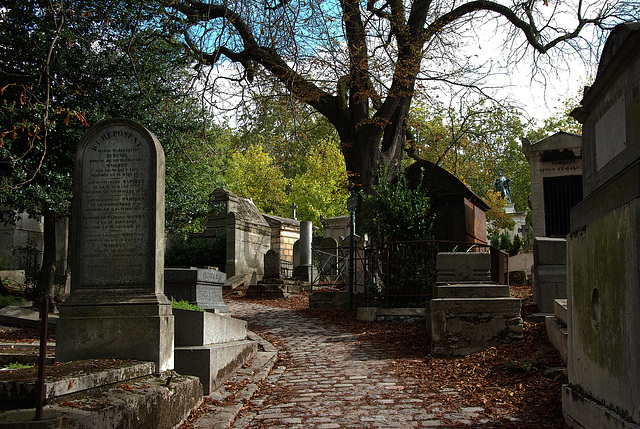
603,369
117,308
469,312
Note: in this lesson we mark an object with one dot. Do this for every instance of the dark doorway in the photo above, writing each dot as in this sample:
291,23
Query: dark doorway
560,195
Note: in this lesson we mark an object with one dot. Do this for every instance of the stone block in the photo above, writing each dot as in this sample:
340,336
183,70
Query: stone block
560,310
459,267
198,286
467,325
558,335
198,328
549,283
16,391
213,364
472,291
549,251
392,315
139,332
149,402
328,300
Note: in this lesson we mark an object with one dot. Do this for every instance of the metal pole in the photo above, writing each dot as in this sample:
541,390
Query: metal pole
44,326
351,252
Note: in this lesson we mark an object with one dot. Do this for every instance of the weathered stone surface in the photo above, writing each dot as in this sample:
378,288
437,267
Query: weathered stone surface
198,286
147,402
272,265
467,325
462,267
26,391
198,328
117,307
472,291
604,246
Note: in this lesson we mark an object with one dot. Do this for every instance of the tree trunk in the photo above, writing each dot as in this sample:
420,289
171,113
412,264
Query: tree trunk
47,271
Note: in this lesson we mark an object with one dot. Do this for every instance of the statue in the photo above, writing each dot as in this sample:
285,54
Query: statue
503,185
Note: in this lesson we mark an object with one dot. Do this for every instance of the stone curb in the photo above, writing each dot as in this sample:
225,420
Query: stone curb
258,370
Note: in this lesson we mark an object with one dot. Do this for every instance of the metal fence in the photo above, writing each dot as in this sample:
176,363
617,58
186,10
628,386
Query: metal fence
404,273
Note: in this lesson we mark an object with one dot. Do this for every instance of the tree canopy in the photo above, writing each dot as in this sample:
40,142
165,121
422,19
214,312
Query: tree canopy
360,63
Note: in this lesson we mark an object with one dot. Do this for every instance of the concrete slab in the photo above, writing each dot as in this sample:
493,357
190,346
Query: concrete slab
197,328
558,336
23,317
472,291
560,310
26,391
146,402
213,364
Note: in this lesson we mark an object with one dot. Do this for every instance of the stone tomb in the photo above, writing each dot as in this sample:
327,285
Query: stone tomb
117,308
470,313
603,365
197,286
555,163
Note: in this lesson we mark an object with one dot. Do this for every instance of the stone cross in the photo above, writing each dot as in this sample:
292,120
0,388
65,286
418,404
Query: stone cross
294,206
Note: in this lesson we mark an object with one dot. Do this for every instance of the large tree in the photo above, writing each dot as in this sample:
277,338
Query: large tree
359,63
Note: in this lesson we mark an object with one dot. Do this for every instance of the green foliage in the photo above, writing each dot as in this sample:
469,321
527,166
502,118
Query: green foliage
18,365
185,305
197,252
6,300
6,263
503,242
316,181
398,212
474,142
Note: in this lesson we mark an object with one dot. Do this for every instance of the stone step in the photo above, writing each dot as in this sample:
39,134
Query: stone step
18,390
558,335
560,310
213,364
199,328
23,317
472,291
144,402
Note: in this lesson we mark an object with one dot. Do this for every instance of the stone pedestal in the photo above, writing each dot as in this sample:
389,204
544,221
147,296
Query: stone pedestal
210,346
198,286
471,314
117,308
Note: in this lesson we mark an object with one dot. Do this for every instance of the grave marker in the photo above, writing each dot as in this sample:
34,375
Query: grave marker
117,308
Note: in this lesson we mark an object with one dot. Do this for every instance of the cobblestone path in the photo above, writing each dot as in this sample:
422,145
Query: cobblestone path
334,381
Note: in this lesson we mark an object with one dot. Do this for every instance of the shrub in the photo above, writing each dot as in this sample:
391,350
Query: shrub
185,305
197,252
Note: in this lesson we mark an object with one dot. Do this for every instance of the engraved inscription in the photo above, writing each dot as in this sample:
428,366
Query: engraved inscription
117,204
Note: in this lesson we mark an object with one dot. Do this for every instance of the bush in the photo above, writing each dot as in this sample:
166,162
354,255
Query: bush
197,252
184,305
398,212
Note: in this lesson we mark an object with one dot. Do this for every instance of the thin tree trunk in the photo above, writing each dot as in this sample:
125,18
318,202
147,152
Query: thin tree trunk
47,271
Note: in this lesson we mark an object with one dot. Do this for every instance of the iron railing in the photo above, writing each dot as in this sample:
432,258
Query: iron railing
404,273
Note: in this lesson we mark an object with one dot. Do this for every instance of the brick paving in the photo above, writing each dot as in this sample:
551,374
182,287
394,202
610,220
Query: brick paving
332,380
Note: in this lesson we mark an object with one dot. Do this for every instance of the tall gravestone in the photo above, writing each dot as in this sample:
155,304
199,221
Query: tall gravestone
117,308
603,366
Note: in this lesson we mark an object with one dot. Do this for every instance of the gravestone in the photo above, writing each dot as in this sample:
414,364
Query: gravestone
603,370
469,312
272,265
117,308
